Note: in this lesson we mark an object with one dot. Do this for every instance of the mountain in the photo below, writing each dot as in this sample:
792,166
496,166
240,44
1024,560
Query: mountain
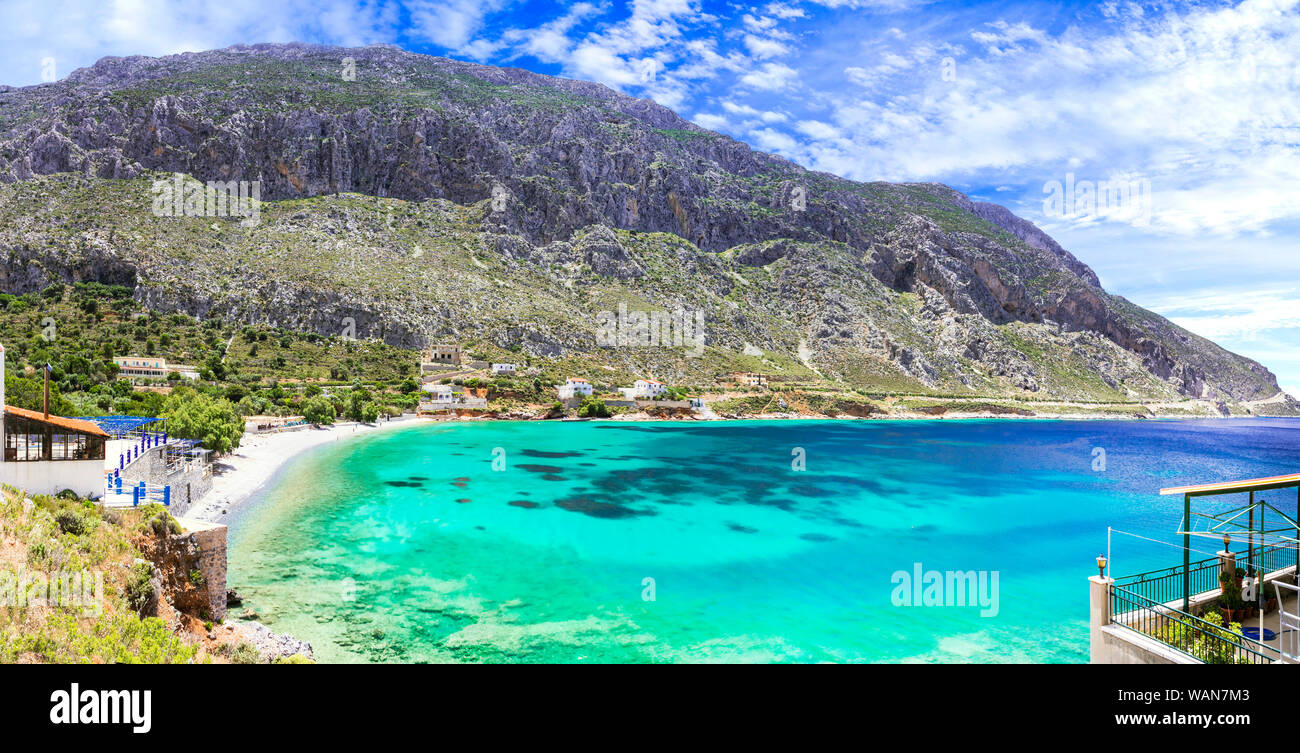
424,199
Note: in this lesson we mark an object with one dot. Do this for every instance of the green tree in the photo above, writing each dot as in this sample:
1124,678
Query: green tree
593,408
194,415
250,405
216,367
356,401
30,394
318,410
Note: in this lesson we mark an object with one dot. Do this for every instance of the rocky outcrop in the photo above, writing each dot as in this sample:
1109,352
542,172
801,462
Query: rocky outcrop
271,645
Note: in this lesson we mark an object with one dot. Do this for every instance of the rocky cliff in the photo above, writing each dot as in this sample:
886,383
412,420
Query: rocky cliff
424,198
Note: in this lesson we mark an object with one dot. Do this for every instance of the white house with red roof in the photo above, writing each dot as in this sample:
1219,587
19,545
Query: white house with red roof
45,454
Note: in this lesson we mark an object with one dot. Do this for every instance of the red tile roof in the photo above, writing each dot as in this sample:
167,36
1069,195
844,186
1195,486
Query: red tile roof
72,424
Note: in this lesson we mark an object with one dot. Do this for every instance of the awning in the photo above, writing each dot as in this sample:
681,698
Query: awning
1229,487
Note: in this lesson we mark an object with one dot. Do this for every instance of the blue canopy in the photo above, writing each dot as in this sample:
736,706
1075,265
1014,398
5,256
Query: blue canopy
117,426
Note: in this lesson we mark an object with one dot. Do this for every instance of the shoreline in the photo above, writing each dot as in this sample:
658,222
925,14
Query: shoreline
259,459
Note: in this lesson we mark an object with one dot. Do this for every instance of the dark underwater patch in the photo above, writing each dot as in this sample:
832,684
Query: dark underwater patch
811,490
524,503
463,501
820,537
551,477
403,484
535,468
666,482
545,454
738,528
597,509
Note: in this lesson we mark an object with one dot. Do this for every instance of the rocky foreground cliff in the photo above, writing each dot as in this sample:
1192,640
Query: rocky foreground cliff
424,199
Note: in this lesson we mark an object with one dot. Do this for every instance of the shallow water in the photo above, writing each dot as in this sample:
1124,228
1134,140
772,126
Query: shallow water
408,546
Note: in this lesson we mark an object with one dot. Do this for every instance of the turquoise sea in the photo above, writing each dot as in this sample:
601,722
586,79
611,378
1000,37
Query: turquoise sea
704,542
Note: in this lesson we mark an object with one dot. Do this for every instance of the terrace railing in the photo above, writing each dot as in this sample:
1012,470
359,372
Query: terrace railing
1200,639
1166,585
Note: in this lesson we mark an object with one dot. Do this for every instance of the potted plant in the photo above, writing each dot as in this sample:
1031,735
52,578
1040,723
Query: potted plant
1238,575
1230,602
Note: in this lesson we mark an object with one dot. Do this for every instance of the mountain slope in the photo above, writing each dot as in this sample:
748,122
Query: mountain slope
431,199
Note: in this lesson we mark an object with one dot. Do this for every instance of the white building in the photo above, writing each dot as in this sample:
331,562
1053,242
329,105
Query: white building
505,369
643,389
44,454
439,392
148,367
443,398
573,387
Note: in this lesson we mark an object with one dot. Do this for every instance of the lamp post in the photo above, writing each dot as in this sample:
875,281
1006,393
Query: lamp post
1101,565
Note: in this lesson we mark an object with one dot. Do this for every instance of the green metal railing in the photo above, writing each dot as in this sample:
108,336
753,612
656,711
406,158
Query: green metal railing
1166,585
1199,639
1270,559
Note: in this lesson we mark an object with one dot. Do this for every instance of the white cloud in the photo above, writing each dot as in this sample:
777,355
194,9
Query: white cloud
1201,102
770,77
784,10
818,130
711,122
450,23
771,140
764,47
550,42
1244,314
76,33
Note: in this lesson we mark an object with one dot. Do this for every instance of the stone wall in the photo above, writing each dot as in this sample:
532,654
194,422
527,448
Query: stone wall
189,483
1120,645
210,538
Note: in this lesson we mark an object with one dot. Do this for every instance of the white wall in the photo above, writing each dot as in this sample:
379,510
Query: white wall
85,477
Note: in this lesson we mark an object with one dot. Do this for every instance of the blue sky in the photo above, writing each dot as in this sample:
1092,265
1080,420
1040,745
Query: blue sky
1195,107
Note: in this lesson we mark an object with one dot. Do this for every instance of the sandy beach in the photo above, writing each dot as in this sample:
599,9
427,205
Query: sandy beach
244,471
